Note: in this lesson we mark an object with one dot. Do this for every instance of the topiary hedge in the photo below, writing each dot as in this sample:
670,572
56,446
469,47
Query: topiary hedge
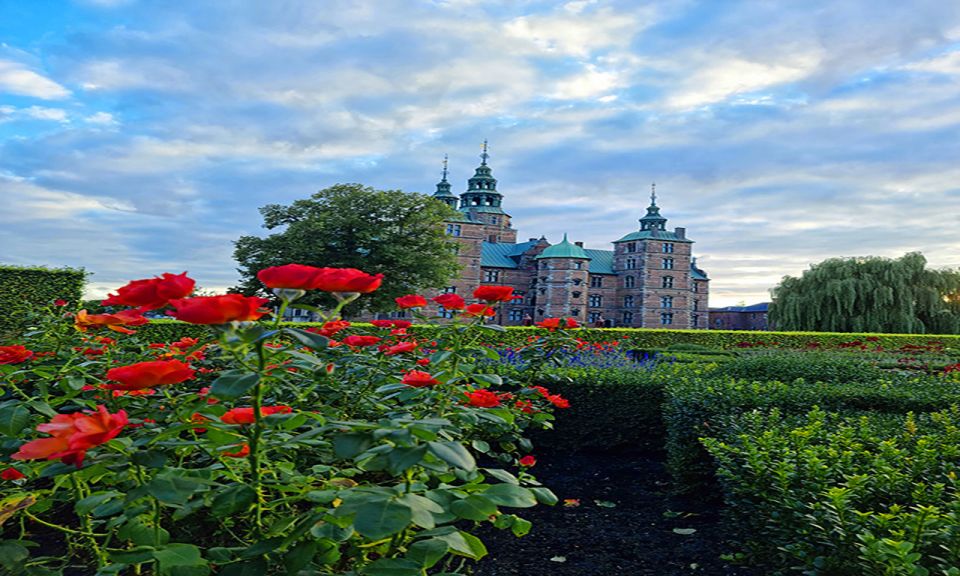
25,289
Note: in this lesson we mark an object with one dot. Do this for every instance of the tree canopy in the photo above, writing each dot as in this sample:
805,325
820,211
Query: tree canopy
869,294
398,234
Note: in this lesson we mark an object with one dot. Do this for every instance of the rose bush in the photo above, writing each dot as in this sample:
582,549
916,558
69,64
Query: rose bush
260,449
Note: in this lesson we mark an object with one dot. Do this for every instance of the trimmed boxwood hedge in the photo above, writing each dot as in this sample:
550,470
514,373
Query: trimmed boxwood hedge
636,338
25,289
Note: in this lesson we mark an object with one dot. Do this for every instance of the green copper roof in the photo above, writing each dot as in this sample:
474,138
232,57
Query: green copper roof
564,250
502,254
484,209
653,235
696,273
601,261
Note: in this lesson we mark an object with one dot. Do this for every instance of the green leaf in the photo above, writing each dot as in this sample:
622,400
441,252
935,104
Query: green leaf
149,458
12,555
400,459
140,533
427,552
233,499
13,419
510,495
684,531
453,453
351,445
233,384
253,567
464,544
492,379
174,555
521,527
422,508
393,567
545,496
297,558
480,446
172,489
605,504
137,555
381,518
474,508
308,339
502,475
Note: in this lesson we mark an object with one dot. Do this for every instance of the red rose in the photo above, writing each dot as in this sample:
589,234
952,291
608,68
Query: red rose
330,328
345,280
525,406
418,379
359,341
423,362
149,374
241,453
72,435
558,401
450,301
152,293
482,399
12,474
294,276
528,461
494,293
382,323
552,324
401,348
14,354
218,309
474,310
116,322
60,302
402,324
410,301
245,415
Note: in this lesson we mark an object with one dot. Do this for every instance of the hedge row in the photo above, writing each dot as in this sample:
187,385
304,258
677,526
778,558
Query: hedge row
640,338
23,290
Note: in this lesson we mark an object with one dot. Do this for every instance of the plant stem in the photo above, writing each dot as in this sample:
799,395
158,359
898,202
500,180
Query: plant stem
86,525
255,443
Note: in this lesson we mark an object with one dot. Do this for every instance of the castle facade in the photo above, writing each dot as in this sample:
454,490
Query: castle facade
649,279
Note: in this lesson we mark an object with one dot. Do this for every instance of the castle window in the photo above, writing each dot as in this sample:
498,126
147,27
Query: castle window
593,317
515,315
628,301
494,219
492,239
577,294
453,229
666,302
696,286
627,318
629,281
450,290
444,313
578,265
596,281
491,275
695,320
631,246
696,304
539,311
668,281
666,318
574,311
596,300
668,263
631,264
577,281
668,248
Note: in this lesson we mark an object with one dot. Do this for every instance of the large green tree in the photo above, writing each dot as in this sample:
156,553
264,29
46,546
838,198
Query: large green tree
398,234
869,294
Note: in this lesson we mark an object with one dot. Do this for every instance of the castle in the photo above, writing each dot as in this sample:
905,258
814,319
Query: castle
650,279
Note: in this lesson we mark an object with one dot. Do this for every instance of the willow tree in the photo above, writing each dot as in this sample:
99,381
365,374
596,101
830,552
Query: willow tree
869,294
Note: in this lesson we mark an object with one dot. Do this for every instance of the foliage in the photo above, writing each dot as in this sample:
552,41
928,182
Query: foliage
869,295
837,495
390,232
282,452
24,290
812,366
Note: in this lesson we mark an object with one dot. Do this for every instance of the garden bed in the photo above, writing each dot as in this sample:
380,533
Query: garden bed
625,523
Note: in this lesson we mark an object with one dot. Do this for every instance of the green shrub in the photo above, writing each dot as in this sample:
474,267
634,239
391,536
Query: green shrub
23,290
699,399
838,495
810,366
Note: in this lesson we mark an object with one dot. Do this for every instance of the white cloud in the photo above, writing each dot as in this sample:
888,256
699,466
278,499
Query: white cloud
125,74
17,79
948,63
578,34
591,83
9,113
102,118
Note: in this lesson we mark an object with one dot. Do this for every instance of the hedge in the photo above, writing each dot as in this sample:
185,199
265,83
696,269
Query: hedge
637,338
25,289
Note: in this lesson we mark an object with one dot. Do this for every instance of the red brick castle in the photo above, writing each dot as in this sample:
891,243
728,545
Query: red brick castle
649,279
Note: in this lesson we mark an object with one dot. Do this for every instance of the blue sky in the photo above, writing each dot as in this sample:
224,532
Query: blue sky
136,138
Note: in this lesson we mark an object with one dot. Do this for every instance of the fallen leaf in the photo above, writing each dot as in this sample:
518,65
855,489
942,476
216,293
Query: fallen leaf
684,531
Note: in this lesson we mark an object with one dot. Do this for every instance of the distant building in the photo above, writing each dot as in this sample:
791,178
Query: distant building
649,279
752,317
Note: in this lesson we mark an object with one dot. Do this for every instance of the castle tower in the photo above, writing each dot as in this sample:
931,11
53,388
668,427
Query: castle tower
655,288
482,203
563,280
443,192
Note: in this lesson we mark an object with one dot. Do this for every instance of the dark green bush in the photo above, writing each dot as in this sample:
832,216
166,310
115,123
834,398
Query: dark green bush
699,399
838,495
24,290
811,366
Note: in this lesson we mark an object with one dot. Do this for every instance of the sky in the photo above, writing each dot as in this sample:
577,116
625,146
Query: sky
141,136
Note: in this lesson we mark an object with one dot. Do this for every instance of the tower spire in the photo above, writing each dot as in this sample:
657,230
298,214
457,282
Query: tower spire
484,155
653,194
444,179
443,188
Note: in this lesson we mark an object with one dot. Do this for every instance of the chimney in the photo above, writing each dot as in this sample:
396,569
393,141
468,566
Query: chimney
680,232
580,244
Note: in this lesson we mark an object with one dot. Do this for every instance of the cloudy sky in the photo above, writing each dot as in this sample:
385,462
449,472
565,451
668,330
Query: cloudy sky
137,139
